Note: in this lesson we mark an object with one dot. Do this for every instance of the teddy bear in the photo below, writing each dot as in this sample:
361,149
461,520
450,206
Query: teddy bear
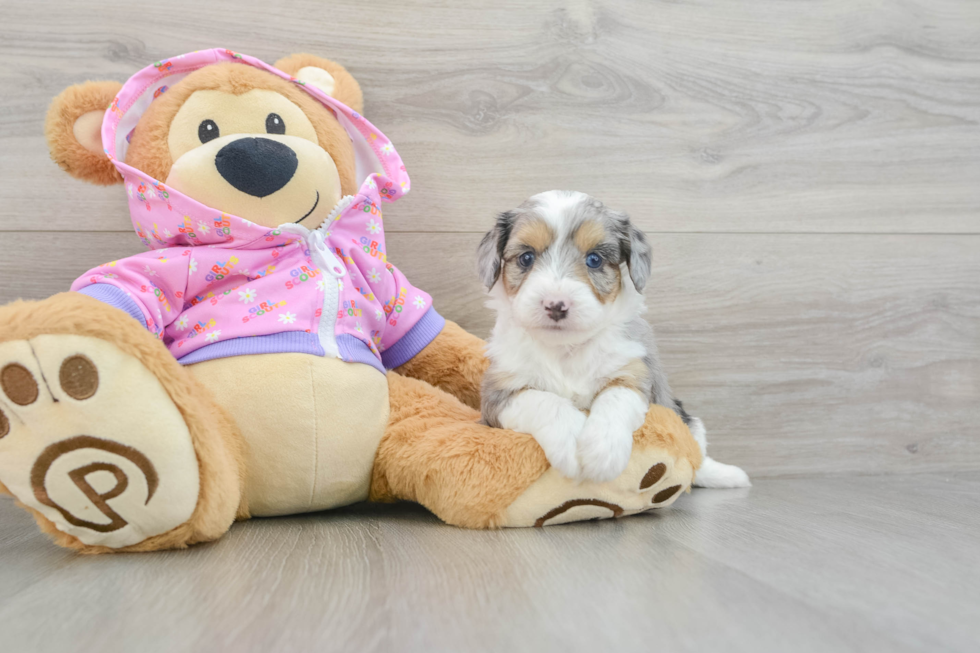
262,357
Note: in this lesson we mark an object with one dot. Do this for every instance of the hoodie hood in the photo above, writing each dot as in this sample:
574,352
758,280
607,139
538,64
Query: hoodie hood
164,217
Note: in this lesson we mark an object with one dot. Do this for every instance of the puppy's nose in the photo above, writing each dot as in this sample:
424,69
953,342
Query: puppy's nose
557,311
257,166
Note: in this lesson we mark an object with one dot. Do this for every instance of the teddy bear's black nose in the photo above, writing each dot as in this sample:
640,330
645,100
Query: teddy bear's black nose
257,166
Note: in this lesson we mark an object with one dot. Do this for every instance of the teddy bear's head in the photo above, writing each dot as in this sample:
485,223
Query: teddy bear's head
234,137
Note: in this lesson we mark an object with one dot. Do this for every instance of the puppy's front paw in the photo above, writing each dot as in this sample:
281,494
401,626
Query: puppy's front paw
561,453
604,450
554,422
559,442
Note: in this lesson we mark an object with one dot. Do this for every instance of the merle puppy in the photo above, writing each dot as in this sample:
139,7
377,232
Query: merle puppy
572,361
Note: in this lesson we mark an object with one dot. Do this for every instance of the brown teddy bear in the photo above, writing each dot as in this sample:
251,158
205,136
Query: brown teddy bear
263,357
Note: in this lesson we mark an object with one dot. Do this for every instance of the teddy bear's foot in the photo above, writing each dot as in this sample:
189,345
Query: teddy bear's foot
653,479
92,443
659,471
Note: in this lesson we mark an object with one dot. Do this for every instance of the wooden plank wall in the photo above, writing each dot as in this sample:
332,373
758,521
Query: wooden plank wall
808,172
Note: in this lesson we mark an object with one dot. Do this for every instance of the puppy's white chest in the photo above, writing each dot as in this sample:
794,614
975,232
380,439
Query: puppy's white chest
579,375
579,388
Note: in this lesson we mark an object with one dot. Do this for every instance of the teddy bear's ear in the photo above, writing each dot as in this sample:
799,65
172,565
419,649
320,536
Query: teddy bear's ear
331,78
74,131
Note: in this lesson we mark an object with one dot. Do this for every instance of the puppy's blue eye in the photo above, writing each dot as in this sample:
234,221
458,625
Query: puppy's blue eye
526,259
593,260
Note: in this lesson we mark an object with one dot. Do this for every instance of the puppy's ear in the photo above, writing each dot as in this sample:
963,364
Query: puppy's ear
328,76
73,128
635,251
490,253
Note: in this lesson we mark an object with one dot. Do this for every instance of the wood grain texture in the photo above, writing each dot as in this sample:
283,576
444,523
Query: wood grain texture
852,564
802,353
808,174
829,116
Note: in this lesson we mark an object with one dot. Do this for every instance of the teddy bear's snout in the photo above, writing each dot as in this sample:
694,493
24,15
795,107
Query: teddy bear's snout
257,166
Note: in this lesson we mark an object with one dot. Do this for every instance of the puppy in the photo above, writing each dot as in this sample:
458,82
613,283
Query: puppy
564,274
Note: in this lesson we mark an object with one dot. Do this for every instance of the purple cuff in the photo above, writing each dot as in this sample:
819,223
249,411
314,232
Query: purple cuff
354,350
420,335
115,297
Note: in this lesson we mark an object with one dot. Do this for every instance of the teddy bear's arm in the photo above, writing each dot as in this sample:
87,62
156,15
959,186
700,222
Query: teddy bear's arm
150,286
454,362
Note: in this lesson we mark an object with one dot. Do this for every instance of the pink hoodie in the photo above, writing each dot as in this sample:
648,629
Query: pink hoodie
215,285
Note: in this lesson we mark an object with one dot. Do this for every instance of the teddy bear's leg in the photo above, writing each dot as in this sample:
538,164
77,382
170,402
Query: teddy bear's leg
661,468
104,437
454,362
436,452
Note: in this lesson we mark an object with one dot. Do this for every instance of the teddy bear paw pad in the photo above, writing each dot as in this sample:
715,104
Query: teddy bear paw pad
90,439
654,478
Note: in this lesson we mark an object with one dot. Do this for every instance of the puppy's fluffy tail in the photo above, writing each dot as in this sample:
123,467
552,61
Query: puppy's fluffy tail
712,473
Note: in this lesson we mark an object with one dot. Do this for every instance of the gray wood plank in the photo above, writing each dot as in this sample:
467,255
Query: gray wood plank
847,564
744,138
853,546
839,116
803,353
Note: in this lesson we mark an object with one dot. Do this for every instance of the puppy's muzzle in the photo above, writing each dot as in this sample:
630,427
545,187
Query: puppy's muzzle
257,166
557,311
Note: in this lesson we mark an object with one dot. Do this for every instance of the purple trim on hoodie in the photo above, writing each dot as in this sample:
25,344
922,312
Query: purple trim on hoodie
421,334
115,297
299,342
351,349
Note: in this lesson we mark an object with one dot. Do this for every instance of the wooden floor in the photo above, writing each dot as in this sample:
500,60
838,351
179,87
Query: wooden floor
864,563
809,175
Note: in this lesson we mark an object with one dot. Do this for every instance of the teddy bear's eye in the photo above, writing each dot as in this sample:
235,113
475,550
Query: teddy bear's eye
207,131
274,124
